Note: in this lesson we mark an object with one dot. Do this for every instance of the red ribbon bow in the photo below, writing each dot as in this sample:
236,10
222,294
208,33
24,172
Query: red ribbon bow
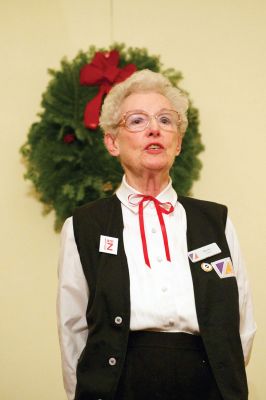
102,71
160,208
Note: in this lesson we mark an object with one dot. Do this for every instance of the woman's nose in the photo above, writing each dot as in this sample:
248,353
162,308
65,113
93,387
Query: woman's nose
153,127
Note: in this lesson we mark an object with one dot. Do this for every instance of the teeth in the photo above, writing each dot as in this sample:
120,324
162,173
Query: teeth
154,146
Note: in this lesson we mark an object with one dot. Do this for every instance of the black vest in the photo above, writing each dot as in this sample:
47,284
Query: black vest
101,362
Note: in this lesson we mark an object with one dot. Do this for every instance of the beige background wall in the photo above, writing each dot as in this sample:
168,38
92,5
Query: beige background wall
219,45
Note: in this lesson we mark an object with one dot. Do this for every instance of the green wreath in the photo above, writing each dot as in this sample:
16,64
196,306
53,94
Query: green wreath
67,162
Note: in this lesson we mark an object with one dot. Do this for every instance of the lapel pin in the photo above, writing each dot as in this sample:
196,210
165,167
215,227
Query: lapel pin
206,267
224,267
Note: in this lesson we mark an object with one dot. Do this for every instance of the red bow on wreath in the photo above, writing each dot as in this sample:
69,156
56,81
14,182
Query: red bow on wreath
102,71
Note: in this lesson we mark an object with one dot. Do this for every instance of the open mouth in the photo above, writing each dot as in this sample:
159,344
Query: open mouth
154,146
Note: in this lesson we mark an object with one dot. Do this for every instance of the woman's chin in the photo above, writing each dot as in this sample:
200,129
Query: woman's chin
156,166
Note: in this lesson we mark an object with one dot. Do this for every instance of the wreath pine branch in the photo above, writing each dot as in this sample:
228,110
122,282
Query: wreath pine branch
67,162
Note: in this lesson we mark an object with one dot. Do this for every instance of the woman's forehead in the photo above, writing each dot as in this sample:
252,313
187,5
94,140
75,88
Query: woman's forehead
151,102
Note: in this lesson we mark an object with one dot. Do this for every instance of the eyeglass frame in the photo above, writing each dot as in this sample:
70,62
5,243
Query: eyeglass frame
123,118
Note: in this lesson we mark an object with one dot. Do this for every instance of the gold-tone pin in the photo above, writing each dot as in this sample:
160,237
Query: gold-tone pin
206,267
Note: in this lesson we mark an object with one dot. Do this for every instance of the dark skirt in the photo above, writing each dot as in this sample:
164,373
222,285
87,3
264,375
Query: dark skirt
166,366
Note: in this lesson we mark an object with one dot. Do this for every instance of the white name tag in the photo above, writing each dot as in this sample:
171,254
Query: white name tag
108,244
204,252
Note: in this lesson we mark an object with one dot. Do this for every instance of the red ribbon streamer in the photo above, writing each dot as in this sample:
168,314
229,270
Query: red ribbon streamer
160,208
102,71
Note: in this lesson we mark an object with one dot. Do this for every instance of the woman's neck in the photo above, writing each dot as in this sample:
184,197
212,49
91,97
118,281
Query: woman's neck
150,184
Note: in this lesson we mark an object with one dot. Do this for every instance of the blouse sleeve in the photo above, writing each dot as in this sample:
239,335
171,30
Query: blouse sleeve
72,300
247,323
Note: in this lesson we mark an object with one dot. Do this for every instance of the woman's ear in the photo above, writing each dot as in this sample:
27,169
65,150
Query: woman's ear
111,144
179,145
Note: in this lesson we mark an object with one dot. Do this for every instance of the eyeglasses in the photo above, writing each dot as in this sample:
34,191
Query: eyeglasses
138,120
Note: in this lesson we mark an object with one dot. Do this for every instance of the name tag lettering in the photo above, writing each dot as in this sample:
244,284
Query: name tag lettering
108,244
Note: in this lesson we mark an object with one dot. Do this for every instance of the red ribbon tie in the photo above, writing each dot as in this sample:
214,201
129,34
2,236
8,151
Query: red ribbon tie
161,208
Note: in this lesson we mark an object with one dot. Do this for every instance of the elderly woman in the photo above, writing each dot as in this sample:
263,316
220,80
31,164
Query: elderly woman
153,297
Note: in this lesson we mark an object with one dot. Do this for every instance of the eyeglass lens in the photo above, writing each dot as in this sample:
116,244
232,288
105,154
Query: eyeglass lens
138,121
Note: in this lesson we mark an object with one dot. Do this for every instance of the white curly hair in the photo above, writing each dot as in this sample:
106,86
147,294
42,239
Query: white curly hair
139,82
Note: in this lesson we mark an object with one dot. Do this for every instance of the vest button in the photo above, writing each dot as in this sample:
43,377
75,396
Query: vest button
171,322
112,361
118,320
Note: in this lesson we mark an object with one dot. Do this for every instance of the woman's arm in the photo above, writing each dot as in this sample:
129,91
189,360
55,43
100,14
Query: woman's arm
247,323
72,300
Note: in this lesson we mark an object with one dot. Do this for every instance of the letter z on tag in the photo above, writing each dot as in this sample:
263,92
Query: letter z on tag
108,244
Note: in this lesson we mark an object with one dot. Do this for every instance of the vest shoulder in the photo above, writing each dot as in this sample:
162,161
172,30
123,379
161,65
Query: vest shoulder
210,208
199,203
96,206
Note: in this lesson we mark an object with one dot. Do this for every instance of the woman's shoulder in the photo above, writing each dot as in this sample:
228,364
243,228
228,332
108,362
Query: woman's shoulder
97,211
199,202
195,206
97,205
